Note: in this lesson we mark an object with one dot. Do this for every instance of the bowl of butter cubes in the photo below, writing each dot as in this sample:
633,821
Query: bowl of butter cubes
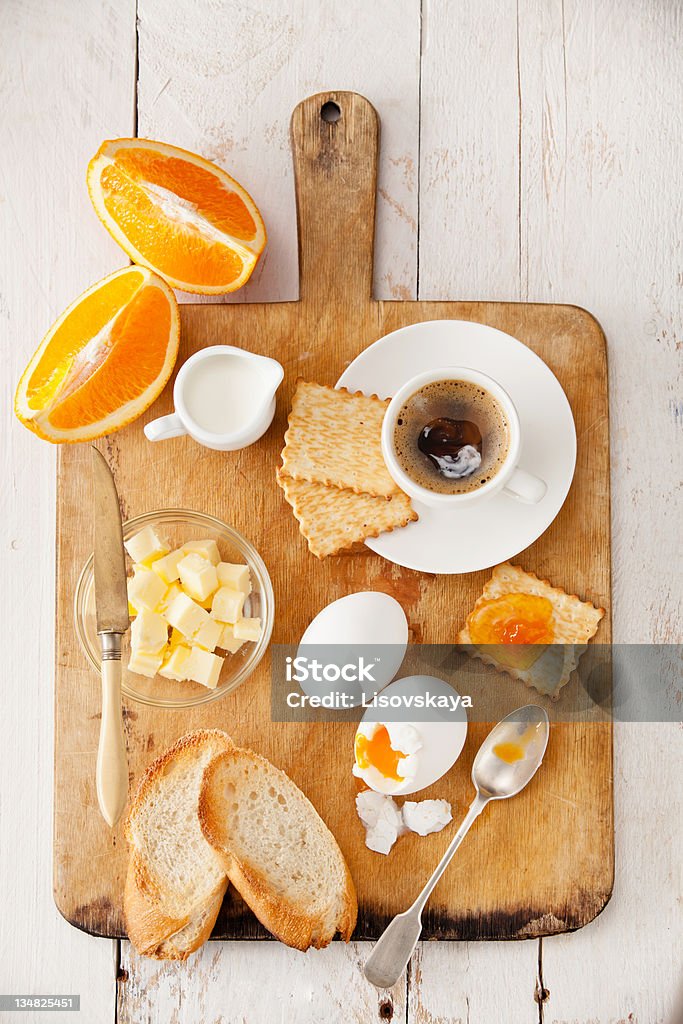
201,608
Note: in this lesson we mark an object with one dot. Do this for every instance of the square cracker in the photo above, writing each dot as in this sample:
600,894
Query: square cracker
334,438
332,519
574,623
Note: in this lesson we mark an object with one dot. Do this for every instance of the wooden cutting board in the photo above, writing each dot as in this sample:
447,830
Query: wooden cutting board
537,865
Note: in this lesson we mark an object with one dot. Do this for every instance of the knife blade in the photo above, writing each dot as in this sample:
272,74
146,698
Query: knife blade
113,620
111,596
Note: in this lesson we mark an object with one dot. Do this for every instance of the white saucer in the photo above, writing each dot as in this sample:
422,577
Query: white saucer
484,533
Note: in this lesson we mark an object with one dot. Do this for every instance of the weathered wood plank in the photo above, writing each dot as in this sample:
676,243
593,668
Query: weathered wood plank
602,177
222,79
469,151
257,983
600,174
66,81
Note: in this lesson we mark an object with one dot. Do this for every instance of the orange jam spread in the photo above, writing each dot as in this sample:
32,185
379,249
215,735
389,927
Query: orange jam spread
377,751
513,619
509,752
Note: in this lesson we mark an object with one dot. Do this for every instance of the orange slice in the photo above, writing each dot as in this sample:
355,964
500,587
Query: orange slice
176,213
104,361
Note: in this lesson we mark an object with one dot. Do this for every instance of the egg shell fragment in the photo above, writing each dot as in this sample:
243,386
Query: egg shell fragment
382,819
426,816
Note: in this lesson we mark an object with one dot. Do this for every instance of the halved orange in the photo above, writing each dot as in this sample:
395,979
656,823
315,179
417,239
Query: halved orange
176,213
104,361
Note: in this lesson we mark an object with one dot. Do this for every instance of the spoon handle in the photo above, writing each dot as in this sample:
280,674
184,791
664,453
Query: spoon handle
394,948
475,809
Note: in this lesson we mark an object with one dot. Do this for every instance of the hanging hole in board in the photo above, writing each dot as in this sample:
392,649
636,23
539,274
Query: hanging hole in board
330,112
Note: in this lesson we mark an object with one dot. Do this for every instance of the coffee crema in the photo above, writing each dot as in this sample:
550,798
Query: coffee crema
451,437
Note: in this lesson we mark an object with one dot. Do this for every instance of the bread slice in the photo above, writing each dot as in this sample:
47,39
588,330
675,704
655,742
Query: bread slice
163,938
277,851
173,866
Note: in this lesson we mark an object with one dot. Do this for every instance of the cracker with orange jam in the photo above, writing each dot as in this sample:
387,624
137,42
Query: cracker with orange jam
532,631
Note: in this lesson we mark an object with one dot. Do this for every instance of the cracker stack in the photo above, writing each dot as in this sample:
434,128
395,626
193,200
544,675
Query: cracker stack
333,473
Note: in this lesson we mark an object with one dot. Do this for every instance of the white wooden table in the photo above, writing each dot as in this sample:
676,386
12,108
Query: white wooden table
531,150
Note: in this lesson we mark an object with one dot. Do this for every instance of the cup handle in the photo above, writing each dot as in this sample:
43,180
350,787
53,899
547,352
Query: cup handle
526,487
163,427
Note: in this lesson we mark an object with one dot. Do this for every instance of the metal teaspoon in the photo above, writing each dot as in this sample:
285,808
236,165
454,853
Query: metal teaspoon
494,779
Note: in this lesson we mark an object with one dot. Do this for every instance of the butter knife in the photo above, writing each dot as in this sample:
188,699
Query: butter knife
111,605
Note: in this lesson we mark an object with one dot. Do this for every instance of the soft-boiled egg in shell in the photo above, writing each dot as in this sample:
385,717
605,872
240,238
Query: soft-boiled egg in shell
369,626
404,757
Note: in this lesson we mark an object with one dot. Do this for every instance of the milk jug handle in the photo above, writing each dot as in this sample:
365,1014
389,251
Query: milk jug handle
164,427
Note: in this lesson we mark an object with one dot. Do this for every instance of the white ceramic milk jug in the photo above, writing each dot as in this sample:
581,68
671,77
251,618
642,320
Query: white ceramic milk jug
224,398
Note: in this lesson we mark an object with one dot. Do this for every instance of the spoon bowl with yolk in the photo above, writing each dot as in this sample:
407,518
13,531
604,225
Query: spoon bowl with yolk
512,753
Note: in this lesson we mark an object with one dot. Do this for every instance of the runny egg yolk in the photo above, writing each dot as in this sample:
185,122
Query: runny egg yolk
512,619
376,751
509,752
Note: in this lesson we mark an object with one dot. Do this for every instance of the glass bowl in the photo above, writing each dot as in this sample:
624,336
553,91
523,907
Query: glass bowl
178,526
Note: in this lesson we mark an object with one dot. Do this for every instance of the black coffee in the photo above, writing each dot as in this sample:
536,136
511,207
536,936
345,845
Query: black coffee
451,437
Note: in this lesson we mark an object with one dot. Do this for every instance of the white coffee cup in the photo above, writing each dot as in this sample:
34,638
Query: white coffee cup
511,478
217,386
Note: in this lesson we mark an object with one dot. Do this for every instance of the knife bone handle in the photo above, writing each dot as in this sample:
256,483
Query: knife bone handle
112,761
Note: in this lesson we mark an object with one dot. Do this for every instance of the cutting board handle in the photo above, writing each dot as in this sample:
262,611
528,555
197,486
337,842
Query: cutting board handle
335,141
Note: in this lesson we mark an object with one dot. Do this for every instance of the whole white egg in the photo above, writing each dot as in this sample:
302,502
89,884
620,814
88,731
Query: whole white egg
361,639
427,749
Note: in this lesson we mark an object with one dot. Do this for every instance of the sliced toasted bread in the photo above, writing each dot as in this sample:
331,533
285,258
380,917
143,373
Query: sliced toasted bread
174,868
278,852
164,938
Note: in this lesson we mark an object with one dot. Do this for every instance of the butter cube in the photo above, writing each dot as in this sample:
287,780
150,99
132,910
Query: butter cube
206,548
167,567
198,576
170,596
144,547
149,632
176,638
185,615
227,604
235,576
145,589
208,635
227,641
203,667
143,663
247,629
175,663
